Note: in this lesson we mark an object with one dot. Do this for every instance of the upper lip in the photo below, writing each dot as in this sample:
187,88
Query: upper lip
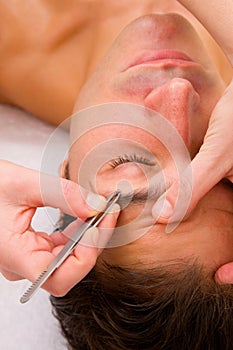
160,55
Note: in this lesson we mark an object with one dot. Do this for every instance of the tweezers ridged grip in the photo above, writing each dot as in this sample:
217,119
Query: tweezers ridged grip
68,248
32,289
56,262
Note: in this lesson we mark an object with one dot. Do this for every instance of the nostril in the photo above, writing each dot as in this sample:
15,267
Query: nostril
177,101
177,89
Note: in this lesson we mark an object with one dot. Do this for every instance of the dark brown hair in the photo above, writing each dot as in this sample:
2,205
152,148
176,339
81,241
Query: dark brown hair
164,308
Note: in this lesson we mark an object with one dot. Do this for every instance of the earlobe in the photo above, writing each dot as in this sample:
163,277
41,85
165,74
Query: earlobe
224,275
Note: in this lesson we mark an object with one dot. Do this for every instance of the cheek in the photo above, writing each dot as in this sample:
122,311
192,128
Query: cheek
210,97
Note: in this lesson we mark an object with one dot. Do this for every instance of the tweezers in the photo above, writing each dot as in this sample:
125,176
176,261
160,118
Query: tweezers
69,247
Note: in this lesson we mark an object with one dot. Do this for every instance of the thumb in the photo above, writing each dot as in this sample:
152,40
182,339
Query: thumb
211,164
27,187
224,275
184,194
69,196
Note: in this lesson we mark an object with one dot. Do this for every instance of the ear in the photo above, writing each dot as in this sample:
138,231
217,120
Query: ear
64,169
224,275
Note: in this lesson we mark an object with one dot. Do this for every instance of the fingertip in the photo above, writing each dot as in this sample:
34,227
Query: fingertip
98,237
115,210
95,202
91,237
82,202
219,278
111,218
224,275
162,209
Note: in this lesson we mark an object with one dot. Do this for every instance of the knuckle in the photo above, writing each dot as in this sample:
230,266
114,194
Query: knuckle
69,187
89,262
59,290
10,276
5,178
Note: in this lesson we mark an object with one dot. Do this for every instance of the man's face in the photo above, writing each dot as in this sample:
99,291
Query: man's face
158,62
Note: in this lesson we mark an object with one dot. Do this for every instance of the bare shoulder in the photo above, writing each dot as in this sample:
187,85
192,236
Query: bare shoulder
38,44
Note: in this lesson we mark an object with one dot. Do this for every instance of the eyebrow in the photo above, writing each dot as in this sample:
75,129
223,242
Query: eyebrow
141,195
138,196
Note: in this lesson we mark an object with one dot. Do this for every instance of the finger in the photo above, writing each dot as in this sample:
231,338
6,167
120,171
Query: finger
35,189
89,239
31,262
78,265
224,275
70,197
100,238
58,238
10,276
212,163
61,237
185,193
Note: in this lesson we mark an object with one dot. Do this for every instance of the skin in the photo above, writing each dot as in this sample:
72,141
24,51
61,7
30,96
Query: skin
26,253
41,51
185,93
206,236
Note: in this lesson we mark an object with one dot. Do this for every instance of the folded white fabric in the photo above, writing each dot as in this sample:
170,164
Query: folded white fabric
23,140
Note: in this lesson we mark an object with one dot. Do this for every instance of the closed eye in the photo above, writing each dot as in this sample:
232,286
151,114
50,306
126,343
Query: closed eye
130,159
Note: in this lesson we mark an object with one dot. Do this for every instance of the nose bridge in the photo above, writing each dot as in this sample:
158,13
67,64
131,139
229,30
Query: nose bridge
176,101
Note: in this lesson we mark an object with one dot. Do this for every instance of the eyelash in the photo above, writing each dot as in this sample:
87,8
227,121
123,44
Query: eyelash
129,159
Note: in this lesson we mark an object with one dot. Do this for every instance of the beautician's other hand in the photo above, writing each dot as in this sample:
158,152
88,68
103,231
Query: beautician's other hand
215,159
25,253
213,162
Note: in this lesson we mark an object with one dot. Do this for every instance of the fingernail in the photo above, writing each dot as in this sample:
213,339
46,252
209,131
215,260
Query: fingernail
96,202
162,208
222,276
115,209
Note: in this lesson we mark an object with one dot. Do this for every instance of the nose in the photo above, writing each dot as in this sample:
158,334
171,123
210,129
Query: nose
176,101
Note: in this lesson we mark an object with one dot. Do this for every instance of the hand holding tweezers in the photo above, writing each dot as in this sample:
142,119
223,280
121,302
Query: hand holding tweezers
69,247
